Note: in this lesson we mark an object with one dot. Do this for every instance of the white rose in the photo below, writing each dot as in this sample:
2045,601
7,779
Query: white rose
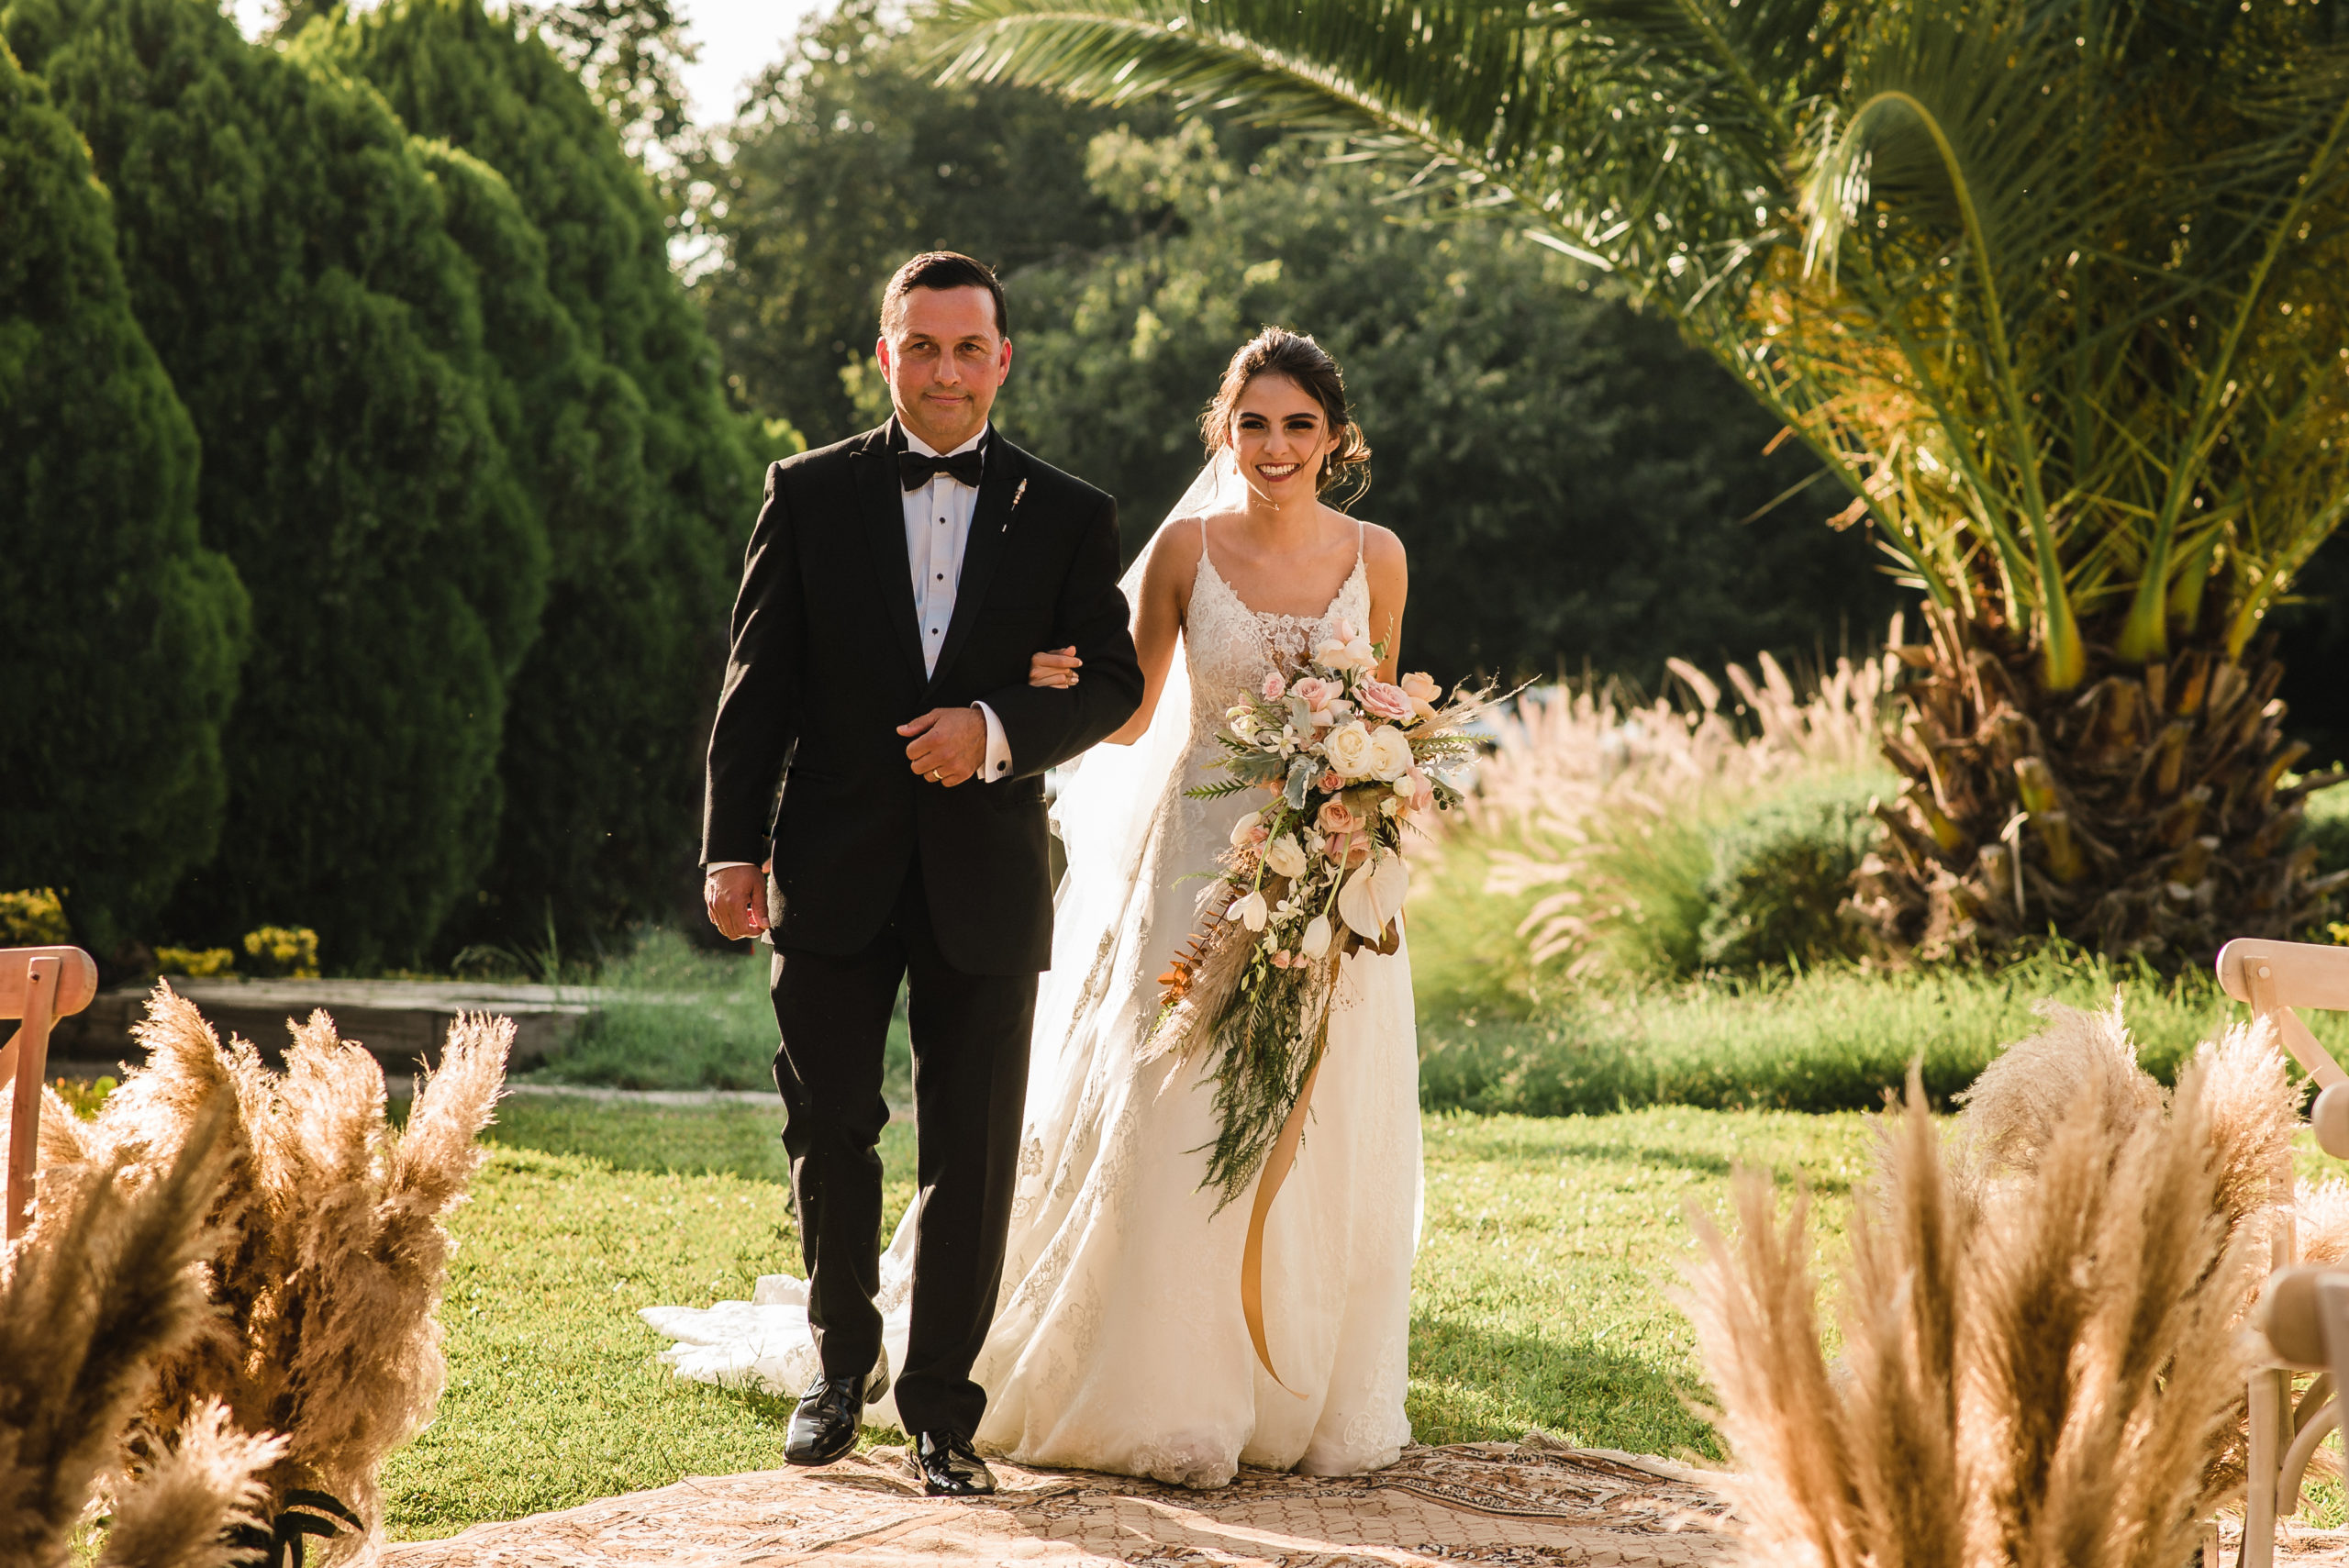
1316,940
1251,912
1349,750
1390,753
1284,857
1241,829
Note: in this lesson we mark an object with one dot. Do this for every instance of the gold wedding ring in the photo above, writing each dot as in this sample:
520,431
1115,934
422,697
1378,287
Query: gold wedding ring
933,775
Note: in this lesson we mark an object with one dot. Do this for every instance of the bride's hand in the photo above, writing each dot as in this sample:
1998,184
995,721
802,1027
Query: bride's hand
1057,668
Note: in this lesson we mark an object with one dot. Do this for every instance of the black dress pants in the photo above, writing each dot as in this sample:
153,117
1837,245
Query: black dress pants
970,1052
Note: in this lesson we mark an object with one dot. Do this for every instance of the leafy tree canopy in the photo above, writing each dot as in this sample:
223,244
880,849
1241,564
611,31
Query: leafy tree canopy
646,480
286,252
120,649
1576,486
846,160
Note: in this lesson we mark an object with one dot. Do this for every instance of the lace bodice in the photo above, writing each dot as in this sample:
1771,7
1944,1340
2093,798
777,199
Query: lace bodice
1230,647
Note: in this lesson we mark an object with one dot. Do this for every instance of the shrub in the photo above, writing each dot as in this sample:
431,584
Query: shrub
123,634
290,951
197,963
286,254
647,480
1782,870
1602,809
32,919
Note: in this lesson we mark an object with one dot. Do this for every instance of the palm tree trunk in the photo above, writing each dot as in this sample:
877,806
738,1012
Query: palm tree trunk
2145,811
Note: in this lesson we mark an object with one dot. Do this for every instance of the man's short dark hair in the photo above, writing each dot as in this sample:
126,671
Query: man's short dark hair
944,269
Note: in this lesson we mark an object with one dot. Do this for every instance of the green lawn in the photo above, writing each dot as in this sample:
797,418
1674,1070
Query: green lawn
1540,1293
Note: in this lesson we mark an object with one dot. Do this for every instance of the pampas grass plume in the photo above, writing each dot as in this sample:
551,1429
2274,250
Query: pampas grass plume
179,1512
2043,1357
101,1283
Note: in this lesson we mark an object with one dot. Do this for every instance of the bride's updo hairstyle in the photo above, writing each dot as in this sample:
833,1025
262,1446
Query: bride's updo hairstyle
1298,359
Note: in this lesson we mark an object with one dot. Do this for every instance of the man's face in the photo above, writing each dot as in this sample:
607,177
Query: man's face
944,360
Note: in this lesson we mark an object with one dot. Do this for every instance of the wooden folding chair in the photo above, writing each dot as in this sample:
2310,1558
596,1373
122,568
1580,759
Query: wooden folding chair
38,985
2298,1303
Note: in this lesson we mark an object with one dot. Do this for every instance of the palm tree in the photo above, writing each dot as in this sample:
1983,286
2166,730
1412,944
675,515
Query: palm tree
2054,288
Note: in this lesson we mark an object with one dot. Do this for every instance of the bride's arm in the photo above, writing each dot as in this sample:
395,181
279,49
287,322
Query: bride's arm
1390,583
1158,621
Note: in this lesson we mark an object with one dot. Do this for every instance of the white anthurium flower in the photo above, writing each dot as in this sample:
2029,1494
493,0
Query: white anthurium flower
1316,940
1284,857
1390,753
1373,897
1252,912
1242,829
1390,883
1358,907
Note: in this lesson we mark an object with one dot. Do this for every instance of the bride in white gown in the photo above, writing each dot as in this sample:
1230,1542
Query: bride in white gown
1118,1342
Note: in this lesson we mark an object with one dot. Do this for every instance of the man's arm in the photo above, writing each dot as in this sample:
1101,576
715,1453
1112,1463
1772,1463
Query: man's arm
757,717
1045,725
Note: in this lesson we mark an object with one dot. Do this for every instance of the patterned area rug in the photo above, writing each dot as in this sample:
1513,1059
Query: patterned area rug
1498,1503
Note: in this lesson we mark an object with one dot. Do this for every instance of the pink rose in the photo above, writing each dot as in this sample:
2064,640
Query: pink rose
1274,686
1388,702
1343,630
1317,694
1331,782
1336,816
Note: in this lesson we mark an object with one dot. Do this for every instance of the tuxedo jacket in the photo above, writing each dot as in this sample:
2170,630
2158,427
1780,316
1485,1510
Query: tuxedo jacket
826,662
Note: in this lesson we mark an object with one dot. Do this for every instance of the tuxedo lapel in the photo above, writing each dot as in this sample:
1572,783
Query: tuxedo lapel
990,528
881,504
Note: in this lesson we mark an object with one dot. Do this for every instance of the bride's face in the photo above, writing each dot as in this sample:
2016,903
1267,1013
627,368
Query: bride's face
1281,437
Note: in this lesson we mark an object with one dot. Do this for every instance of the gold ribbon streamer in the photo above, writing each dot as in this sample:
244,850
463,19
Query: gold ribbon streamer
1268,1187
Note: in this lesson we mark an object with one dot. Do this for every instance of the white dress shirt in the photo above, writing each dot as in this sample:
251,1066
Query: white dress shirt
938,529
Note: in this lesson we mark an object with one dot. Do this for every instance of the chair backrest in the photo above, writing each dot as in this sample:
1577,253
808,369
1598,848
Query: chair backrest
38,985
2275,978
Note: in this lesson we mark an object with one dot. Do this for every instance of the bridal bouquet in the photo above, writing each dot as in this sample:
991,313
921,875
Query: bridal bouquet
1314,875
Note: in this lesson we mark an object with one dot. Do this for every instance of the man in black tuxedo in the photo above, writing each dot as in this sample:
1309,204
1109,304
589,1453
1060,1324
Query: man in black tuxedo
894,587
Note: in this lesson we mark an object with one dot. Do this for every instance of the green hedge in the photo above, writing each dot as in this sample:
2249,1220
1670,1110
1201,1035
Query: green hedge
120,646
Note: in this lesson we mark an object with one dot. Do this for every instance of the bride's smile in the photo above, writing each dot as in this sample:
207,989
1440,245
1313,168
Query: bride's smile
1281,435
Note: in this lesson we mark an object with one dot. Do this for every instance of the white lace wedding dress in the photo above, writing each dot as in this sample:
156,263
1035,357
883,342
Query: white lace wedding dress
1118,1342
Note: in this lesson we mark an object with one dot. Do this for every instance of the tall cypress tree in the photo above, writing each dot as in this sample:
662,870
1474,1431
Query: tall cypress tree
287,255
119,650
641,469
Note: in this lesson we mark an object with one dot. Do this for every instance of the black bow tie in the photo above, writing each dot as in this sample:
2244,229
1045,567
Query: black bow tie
914,470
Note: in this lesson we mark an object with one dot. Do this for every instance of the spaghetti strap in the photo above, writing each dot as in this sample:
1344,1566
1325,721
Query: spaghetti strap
1362,535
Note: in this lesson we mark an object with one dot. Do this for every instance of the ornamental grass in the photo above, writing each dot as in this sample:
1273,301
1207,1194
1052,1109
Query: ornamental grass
327,1254
2043,1353
1594,800
106,1280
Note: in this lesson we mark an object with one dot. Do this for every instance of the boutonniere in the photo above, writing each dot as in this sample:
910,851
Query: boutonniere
1018,495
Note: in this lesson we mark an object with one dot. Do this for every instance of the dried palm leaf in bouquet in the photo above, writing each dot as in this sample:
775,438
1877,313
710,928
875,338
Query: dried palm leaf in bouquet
329,1255
104,1281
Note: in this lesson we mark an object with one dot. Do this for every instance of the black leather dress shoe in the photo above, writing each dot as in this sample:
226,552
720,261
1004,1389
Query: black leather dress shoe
950,1467
825,1425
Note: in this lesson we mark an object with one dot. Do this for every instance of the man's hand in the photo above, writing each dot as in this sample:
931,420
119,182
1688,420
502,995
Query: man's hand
737,900
949,744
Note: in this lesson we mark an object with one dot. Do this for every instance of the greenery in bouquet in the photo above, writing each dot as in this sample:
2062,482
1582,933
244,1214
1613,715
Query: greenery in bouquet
1315,873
